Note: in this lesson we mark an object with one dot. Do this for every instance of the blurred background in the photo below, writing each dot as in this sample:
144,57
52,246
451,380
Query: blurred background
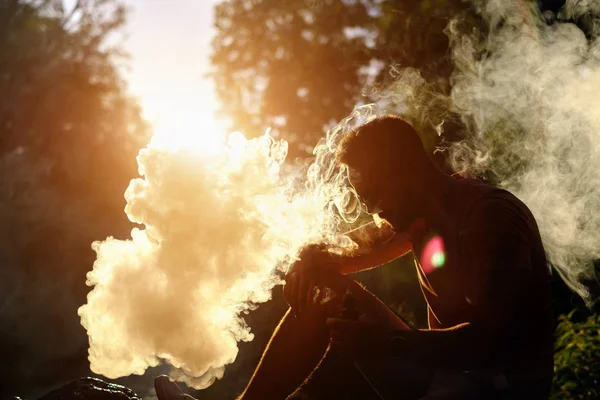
85,83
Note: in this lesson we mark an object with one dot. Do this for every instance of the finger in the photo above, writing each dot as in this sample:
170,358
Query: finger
285,289
289,285
310,293
291,272
303,289
288,288
294,293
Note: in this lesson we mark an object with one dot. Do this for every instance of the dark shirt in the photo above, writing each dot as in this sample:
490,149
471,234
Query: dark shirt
494,281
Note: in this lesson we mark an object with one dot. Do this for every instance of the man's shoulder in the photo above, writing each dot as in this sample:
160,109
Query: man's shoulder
484,195
490,206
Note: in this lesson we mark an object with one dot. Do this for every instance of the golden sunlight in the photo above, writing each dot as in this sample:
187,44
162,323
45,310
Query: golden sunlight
184,122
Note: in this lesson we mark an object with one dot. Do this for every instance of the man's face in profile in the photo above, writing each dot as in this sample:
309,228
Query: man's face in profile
365,188
391,198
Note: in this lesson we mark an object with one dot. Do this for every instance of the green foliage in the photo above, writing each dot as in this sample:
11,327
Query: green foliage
299,66
69,135
577,358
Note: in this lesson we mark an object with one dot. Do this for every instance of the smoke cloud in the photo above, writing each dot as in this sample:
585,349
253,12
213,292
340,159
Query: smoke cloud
218,227
528,93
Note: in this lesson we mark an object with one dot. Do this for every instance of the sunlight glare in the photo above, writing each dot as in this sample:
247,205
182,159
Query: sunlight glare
184,124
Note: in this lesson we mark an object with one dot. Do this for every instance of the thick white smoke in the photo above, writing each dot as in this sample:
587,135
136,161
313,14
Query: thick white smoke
217,227
529,95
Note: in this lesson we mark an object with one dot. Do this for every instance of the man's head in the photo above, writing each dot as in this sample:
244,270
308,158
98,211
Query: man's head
388,167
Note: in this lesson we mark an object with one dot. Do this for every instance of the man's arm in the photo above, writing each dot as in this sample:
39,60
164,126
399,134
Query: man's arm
381,254
377,246
501,260
472,344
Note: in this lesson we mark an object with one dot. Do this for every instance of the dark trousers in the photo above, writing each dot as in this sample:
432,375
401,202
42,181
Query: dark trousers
340,379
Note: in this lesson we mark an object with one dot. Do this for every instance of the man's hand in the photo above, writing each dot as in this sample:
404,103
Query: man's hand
303,275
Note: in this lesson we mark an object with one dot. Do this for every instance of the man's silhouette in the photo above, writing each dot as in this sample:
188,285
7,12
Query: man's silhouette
481,267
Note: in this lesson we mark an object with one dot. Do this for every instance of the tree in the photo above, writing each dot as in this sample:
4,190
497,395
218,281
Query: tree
69,134
299,66
576,366
280,64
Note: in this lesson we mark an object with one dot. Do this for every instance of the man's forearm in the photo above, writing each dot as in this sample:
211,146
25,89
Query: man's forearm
381,254
494,333
348,265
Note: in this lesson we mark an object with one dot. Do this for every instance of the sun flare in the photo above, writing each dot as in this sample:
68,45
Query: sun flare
180,125
181,116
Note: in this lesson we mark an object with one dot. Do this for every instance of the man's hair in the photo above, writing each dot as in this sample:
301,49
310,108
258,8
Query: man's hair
382,145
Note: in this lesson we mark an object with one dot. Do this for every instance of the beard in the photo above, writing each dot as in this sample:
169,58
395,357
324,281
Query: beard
400,219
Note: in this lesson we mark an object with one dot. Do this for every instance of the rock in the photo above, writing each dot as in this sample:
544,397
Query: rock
91,389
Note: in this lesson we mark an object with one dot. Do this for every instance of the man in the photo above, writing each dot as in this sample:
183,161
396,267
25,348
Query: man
490,320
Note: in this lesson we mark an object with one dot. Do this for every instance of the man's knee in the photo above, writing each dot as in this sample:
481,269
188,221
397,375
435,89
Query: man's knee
324,300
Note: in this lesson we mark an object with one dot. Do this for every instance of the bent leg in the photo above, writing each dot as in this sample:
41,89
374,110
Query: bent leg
300,342
294,351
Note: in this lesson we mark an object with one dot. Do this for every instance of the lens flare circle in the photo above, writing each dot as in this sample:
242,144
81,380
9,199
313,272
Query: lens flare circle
433,255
